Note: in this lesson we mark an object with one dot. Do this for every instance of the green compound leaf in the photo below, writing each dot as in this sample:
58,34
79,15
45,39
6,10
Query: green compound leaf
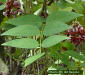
75,55
31,59
26,20
63,16
53,40
22,43
55,27
24,30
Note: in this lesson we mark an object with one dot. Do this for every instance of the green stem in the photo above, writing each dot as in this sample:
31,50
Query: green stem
41,35
40,41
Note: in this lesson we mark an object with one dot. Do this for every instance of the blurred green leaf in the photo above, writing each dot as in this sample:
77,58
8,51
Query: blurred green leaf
52,8
63,16
3,1
82,65
26,20
53,40
24,30
55,27
31,59
17,53
75,55
2,7
22,43
67,44
65,60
